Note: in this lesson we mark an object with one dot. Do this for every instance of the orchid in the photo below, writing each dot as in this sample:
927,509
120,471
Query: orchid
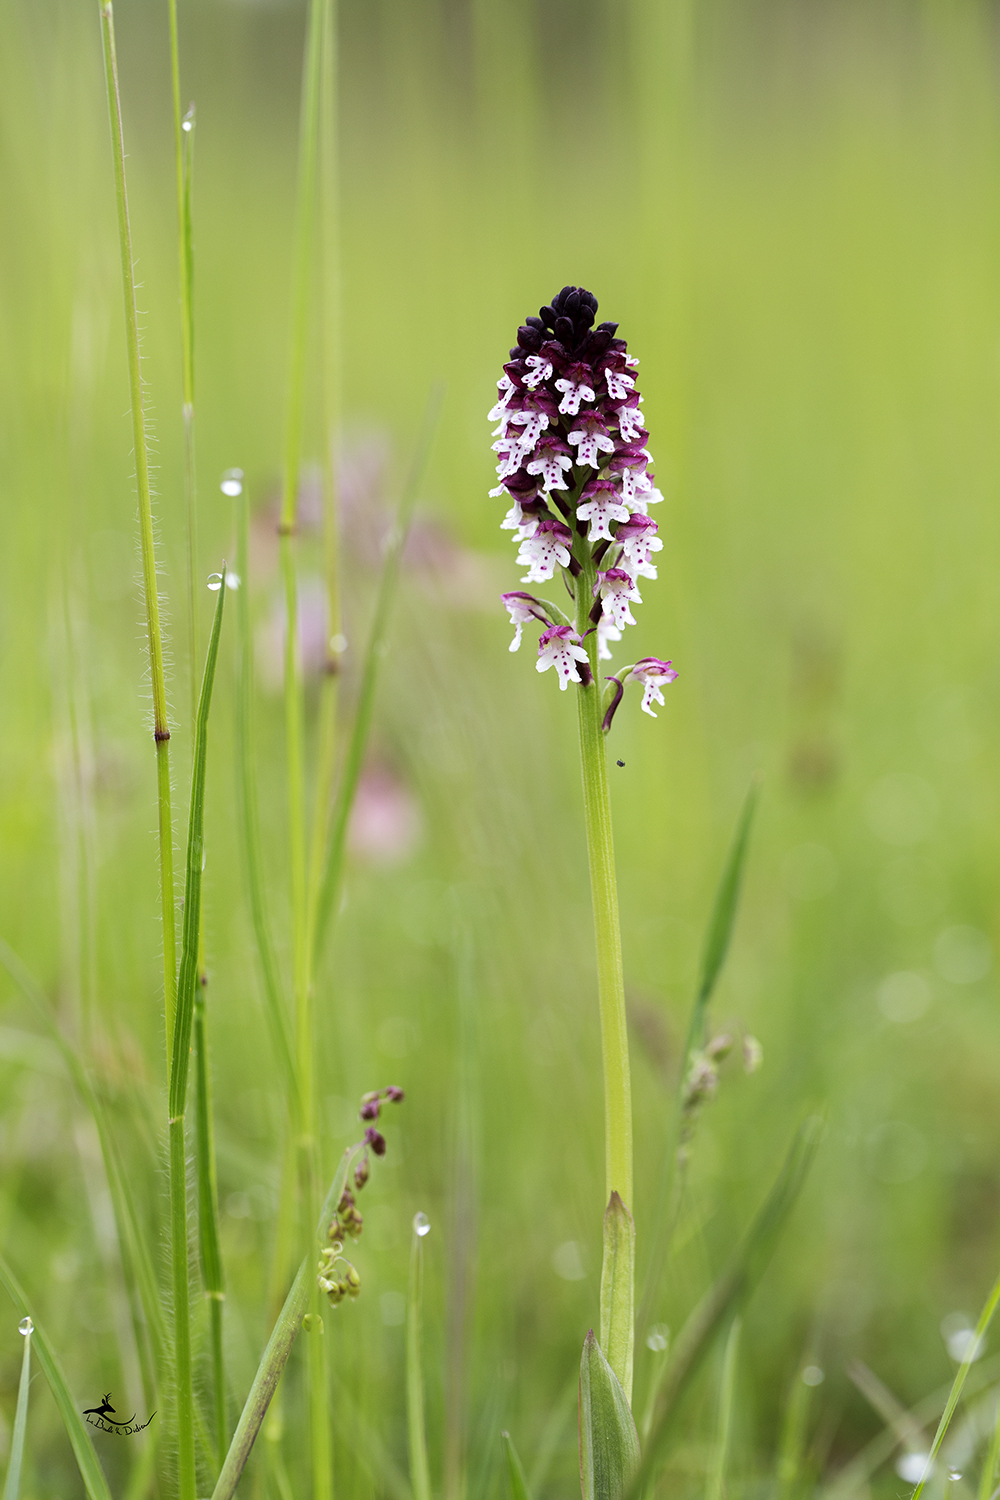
574,469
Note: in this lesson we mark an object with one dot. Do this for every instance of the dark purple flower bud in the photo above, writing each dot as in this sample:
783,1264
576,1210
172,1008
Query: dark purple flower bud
369,1107
395,1094
375,1140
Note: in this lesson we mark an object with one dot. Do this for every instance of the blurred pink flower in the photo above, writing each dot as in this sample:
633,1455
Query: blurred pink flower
385,823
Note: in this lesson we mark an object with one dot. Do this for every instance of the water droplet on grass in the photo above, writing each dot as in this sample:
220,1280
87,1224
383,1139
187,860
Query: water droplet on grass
231,482
421,1225
658,1338
812,1375
25,1327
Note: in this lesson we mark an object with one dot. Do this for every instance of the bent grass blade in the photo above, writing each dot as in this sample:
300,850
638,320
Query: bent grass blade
90,1470
279,1347
955,1394
12,1484
728,1294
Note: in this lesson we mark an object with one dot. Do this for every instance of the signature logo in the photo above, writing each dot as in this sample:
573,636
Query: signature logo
102,1417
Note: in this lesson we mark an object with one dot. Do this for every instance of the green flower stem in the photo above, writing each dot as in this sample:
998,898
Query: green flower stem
610,984
161,728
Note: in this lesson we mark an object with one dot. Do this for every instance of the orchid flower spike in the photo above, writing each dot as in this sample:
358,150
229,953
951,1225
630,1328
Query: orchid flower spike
575,481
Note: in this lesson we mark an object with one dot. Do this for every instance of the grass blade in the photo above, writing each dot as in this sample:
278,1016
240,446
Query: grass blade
954,1396
76,1430
515,1470
12,1484
329,888
716,1487
130,1235
731,1289
279,1346
186,986
722,921
420,1477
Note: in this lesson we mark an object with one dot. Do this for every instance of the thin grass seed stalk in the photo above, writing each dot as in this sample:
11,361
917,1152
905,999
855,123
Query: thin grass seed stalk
574,465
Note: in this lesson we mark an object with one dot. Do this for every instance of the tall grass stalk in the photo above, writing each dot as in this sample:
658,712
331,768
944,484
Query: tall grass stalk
420,1476
161,729
618,1272
329,294
302,285
183,170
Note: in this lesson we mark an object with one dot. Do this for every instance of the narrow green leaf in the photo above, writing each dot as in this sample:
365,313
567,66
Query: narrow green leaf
76,1430
729,1292
329,890
420,1477
618,1291
954,1396
188,976
609,1443
12,1484
721,923
515,1469
279,1346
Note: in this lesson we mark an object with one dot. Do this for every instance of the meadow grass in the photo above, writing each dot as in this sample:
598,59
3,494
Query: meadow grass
803,253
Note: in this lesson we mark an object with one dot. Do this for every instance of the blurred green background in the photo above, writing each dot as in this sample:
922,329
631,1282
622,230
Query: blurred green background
792,210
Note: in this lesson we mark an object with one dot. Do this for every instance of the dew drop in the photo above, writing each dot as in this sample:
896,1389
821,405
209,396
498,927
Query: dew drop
658,1338
231,482
812,1375
25,1327
215,582
421,1225
954,1474
187,124
233,580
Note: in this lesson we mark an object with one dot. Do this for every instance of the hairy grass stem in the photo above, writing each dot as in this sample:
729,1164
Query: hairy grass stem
161,728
